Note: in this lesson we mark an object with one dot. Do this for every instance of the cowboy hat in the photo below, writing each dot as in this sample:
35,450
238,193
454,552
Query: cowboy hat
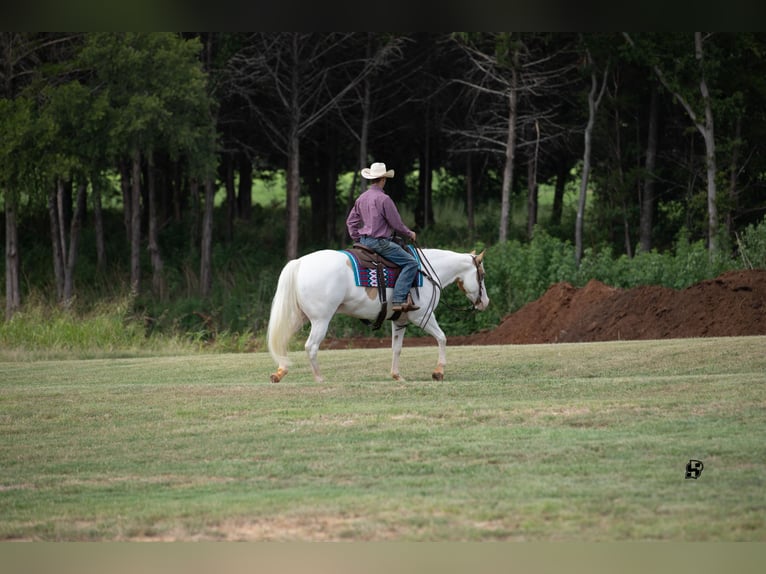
376,171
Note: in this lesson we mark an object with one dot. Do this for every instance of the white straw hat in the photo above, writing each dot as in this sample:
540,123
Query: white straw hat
376,171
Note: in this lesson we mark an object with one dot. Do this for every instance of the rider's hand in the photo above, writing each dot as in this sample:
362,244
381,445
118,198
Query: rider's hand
414,236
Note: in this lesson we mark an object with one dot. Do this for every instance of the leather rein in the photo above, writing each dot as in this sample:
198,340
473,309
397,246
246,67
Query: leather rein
428,271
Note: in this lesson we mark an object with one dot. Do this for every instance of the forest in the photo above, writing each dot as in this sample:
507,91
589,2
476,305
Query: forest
182,170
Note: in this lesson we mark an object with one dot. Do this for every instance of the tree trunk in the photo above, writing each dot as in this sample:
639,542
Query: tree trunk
510,153
98,223
647,197
56,247
469,197
293,175
357,183
245,195
424,211
74,241
708,134
135,224
626,230
293,195
733,168
153,244
127,194
231,196
532,188
62,219
706,128
583,188
363,139
622,192
206,248
593,103
532,193
12,259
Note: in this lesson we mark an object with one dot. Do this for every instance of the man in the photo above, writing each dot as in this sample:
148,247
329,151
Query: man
372,222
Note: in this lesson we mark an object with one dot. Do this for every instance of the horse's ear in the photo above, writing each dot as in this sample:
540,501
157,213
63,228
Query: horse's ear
473,253
480,256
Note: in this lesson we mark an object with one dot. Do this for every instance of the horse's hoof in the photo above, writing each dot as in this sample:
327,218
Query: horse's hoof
279,375
398,378
436,376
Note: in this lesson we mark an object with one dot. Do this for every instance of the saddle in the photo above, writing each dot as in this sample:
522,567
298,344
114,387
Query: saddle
374,270
369,259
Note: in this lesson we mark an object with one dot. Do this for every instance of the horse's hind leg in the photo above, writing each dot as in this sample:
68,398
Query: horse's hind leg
316,336
279,375
397,338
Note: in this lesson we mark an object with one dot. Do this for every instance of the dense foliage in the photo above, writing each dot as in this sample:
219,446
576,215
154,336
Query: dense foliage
170,176
106,317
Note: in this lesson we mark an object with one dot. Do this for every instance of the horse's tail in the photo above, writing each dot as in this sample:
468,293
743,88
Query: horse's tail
286,316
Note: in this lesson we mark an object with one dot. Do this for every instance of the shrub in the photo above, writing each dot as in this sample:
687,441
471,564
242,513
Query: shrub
751,246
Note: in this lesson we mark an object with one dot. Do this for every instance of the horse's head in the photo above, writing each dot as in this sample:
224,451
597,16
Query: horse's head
471,282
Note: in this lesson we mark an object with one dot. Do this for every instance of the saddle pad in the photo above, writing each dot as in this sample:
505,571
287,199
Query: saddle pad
368,277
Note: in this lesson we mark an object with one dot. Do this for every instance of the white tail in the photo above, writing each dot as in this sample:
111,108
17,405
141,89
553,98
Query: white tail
286,316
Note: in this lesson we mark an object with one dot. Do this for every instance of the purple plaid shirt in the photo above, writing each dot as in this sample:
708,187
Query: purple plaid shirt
374,214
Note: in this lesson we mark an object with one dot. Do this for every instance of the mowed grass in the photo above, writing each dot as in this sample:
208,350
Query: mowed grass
581,442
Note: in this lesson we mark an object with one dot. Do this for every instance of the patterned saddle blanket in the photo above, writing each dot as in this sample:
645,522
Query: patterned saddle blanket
365,270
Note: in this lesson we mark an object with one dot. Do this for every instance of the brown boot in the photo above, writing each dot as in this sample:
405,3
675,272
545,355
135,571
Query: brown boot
409,305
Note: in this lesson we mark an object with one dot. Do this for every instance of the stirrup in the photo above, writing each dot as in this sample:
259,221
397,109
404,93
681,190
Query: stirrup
408,305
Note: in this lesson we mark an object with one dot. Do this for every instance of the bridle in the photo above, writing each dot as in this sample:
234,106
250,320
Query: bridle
429,273
480,277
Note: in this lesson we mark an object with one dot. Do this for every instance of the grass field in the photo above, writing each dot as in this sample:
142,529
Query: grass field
574,442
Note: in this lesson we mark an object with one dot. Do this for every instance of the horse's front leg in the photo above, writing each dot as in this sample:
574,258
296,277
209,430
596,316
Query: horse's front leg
433,329
397,338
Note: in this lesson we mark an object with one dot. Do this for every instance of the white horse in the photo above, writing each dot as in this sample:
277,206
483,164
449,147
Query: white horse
320,284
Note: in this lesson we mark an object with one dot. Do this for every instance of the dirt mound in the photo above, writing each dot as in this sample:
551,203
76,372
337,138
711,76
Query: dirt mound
733,304
730,305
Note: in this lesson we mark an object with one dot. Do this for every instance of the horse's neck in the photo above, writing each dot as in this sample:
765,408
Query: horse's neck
448,265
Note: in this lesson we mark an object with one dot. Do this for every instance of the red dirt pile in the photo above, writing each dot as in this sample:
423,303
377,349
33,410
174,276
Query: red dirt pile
733,304
730,305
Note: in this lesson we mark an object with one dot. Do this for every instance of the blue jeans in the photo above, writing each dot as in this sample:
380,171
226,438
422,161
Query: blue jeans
396,254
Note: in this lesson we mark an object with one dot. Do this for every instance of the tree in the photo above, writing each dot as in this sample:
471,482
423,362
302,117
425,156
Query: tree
594,100
157,97
373,99
15,119
647,191
702,119
495,73
20,57
286,78
71,141
510,80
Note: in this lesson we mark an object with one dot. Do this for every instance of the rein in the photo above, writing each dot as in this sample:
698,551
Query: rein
429,273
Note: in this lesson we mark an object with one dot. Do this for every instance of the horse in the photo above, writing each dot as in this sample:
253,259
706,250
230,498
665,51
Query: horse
320,284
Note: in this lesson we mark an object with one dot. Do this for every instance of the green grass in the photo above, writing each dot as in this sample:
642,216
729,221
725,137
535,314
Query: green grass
584,442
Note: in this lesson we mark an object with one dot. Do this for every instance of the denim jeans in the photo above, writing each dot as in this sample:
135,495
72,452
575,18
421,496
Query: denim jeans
396,254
